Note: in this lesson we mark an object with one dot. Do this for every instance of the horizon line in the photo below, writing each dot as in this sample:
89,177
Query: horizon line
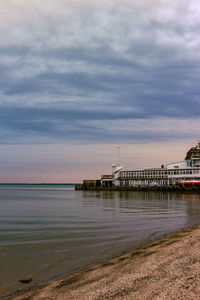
38,183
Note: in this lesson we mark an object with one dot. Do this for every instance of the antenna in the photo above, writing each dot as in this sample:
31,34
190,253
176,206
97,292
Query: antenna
116,168
118,155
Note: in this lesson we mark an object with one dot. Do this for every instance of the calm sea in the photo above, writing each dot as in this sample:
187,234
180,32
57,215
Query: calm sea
47,231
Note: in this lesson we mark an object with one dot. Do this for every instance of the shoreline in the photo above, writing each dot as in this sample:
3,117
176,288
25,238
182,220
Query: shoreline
168,267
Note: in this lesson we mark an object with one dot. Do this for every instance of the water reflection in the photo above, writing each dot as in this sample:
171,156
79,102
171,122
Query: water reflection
166,197
177,205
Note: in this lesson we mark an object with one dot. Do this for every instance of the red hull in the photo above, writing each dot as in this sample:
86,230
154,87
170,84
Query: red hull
189,183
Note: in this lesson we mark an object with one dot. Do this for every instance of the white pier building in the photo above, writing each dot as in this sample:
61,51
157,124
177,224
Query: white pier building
187,171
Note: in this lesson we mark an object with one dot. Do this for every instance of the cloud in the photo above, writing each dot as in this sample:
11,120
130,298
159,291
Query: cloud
73,71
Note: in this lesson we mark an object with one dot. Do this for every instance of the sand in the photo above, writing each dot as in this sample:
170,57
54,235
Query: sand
168,268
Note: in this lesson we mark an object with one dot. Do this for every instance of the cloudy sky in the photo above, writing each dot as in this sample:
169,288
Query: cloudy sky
80,77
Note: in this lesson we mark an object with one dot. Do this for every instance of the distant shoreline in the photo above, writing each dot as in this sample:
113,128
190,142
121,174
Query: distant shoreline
21,183
167,267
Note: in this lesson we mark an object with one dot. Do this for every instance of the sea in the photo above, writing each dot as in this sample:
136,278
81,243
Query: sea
48,231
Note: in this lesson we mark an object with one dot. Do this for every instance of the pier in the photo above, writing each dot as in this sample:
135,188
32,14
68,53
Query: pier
177,176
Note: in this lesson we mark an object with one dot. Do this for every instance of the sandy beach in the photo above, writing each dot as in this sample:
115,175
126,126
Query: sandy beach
168,268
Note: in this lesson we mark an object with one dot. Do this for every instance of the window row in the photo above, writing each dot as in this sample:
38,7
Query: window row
137,174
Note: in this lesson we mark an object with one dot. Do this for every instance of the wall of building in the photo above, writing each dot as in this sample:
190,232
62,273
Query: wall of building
157,177
180,165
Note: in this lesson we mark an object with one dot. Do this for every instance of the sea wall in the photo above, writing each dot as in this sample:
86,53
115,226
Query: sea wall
79,187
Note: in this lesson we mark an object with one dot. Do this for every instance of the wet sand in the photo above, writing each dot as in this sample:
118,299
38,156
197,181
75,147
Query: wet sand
168,268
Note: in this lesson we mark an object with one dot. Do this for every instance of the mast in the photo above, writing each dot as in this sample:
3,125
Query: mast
116,168
118,155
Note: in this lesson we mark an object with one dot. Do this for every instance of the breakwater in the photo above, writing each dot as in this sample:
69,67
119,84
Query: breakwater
196,189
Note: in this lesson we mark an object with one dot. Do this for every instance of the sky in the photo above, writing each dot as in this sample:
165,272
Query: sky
79,78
